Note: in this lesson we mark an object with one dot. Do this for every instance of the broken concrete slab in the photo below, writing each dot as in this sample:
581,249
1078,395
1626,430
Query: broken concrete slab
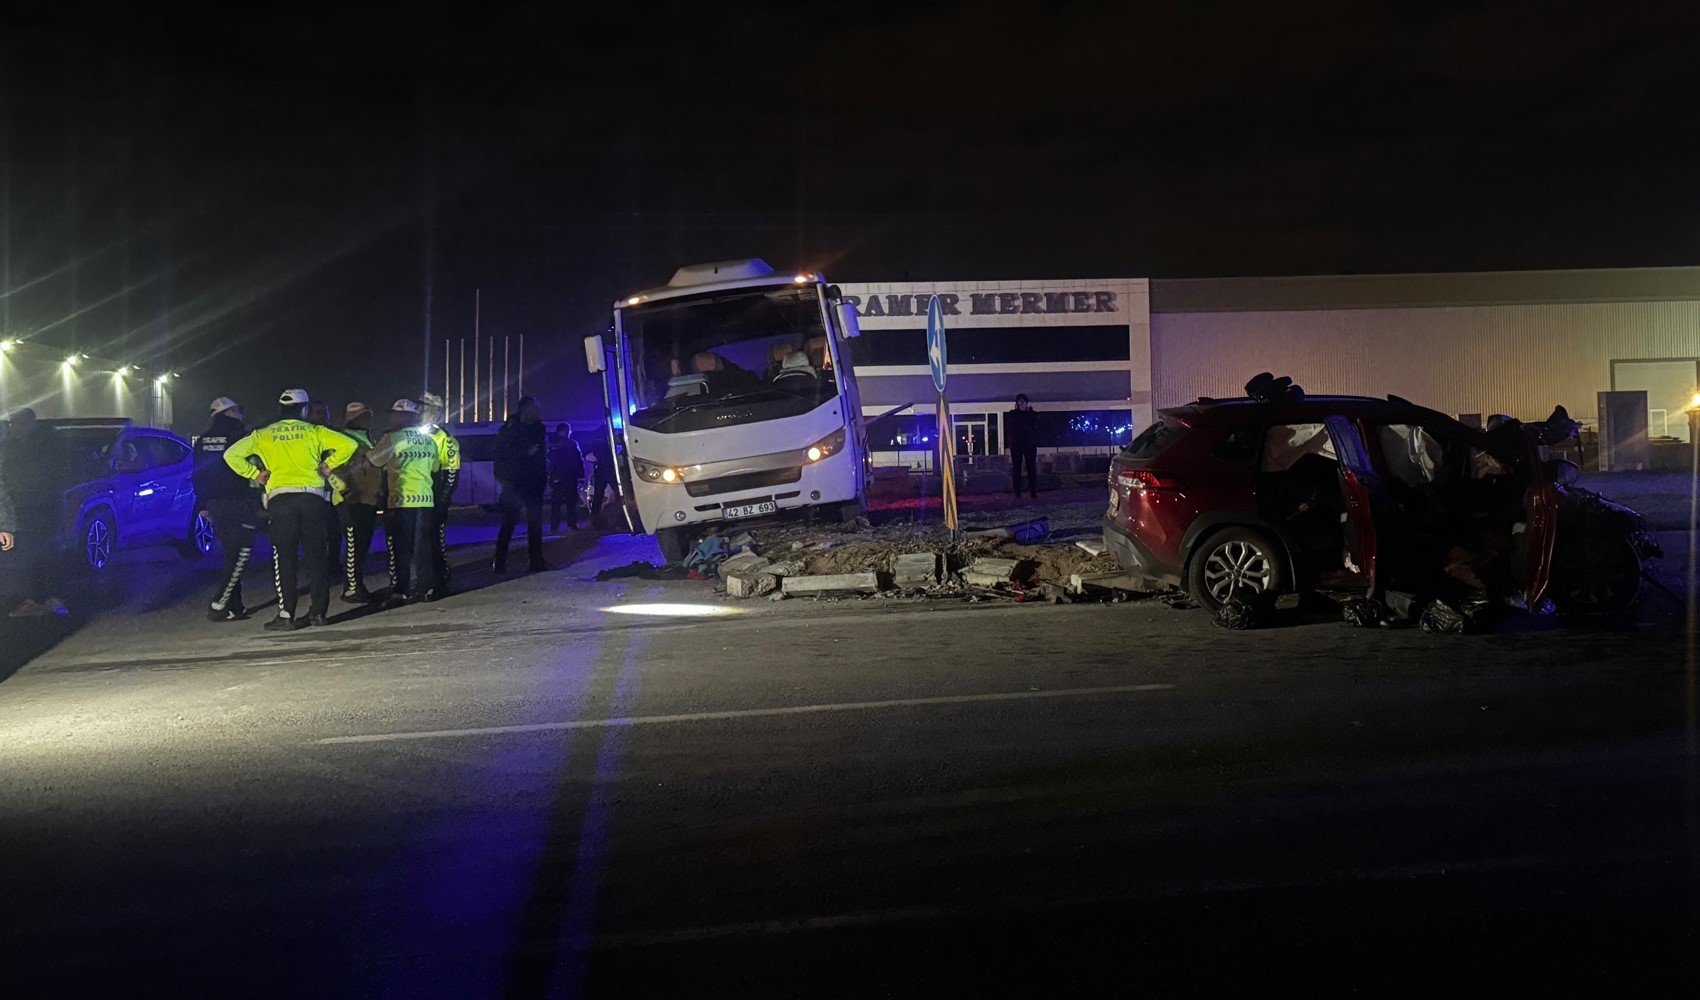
834,583
745,563
747,585
786,567
1090,547
989,572
1107,584
915,569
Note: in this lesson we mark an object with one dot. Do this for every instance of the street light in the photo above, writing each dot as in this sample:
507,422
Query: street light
8,344
72,359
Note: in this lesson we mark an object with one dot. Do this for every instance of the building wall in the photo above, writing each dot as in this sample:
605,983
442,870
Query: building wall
56,390
1079,349
1519,359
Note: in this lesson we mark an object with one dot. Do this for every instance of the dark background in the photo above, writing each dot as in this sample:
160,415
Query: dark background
261,197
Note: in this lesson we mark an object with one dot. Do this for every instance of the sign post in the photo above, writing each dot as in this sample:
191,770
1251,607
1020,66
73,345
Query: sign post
936,361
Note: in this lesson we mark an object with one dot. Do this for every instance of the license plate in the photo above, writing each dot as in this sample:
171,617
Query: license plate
750,509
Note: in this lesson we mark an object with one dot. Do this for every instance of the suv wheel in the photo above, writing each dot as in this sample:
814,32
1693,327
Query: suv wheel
1238,563
98,538
1595,574
199,541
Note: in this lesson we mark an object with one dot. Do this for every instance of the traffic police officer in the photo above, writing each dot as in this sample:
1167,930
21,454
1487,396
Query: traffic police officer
297,456
230,502
443,488
408,456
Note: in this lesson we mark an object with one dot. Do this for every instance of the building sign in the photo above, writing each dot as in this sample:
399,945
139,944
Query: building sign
902,305
1022,303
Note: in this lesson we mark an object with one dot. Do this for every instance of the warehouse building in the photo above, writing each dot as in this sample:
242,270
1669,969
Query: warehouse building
1467,344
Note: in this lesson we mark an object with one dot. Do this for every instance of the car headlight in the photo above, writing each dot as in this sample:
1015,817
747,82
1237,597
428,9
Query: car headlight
656,472
832,444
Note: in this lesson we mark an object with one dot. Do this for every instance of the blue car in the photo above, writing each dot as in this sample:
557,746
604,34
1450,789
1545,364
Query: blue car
133,488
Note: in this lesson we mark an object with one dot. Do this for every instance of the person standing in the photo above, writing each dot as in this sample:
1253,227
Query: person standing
408,456
357,494
230,502
297,456
35,476
443,484
522,469
8,519
602,474
566,471
1021,437
320,413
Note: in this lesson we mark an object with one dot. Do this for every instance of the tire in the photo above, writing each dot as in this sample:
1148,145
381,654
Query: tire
1595,575
198,543
1237,561
97,541
675,544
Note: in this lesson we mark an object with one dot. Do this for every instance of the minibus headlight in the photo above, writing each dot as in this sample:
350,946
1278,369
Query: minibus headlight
832,444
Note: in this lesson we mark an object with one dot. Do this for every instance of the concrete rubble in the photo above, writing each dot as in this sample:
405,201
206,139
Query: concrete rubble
915,563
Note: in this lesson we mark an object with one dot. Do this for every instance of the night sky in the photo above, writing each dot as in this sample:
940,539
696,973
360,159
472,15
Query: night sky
257,199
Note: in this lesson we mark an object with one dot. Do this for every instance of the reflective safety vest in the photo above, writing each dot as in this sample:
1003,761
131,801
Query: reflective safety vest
448,457
293,451
410,457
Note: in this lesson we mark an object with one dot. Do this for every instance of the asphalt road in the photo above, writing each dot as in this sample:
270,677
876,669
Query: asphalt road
519,792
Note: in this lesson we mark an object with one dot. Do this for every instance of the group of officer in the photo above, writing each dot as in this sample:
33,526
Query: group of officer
321,490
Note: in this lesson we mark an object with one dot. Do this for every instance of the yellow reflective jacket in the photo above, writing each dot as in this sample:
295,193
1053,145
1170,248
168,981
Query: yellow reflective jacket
448,457
359,481
293,452
410,458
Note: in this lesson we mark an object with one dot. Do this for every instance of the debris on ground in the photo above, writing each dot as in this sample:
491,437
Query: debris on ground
831,584
1090,547
1238,614
641,570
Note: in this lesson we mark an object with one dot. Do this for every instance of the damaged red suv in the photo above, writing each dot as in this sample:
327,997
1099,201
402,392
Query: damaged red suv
1266,498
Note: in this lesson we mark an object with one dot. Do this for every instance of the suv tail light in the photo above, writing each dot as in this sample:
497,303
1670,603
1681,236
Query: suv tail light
1141,479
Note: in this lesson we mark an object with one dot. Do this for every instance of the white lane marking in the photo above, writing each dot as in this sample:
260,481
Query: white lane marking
747,713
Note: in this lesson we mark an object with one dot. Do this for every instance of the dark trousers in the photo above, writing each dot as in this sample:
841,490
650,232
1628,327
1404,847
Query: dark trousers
37,541
512,501
357,521
563,491
437,542
1029,457
407,540
234,524
599,486
299,524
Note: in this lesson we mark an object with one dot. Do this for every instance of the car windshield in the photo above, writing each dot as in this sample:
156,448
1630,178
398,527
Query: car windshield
729,358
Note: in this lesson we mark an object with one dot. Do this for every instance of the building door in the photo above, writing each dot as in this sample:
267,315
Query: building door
976,434
1670,385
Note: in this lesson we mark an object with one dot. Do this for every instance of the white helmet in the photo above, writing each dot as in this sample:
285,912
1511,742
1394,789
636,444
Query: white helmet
223,403
294,397
405,406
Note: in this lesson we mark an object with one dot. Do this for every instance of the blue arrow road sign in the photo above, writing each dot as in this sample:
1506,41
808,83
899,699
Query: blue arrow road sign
935,341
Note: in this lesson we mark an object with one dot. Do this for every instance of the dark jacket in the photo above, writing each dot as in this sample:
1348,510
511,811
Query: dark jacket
522,456
37,470
1020,430
566,462
8,517
215,483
